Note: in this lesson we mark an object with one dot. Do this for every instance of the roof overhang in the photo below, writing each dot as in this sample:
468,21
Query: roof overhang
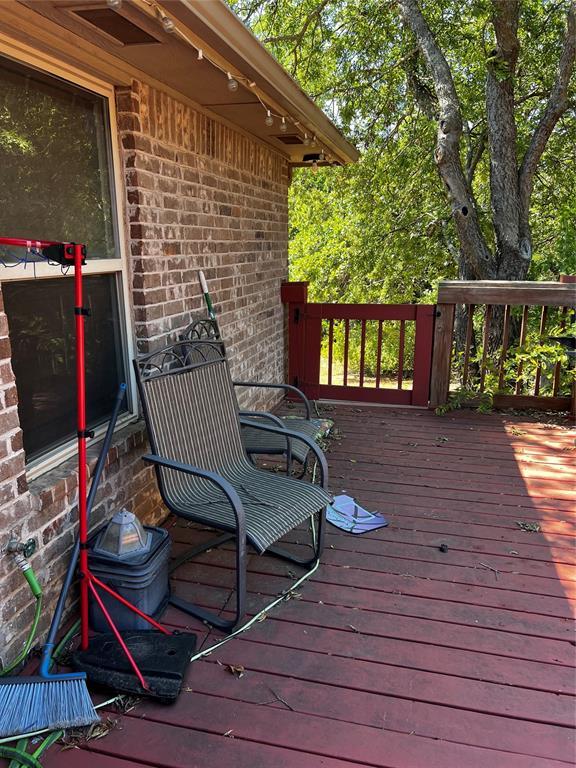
172,60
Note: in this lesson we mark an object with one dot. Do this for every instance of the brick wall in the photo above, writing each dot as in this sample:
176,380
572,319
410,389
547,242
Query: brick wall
201,195
198,195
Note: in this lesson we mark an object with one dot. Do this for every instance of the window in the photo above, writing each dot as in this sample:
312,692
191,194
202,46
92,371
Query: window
56,183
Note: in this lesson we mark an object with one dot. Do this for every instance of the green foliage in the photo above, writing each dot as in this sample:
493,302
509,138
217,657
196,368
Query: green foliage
541,357
466,398
381,230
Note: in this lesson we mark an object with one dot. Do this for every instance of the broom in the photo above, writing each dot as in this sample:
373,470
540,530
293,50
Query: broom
30,704
66,703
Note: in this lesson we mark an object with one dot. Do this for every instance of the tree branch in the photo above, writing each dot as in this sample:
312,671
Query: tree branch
474,155
556,106
473,248
297,37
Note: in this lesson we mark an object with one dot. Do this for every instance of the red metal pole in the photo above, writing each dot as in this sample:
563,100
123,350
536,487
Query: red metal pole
128,604
117,634
19,242
80,314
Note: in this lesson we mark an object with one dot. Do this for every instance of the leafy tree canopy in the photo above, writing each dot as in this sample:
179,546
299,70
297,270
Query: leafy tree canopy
384,229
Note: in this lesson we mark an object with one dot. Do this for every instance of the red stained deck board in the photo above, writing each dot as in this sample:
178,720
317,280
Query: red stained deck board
489,514
356,743
453,665
556,544
69,758
481,593
434,688
441,456
167,746
428,550
472,574
457,487
468,538
521,549
479,652
379,711
391,603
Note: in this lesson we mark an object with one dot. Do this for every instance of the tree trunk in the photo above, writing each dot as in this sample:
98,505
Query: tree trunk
510,186
502,139
474,252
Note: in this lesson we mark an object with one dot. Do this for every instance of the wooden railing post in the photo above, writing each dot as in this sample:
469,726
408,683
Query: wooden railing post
442,354
423,354
295,296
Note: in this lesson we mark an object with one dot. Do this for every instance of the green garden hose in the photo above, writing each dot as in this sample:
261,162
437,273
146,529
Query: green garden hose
21,757
36,590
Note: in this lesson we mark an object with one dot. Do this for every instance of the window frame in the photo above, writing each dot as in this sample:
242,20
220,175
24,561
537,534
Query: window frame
44,63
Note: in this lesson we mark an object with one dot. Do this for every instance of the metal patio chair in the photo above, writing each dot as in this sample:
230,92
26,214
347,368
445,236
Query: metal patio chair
257,441
204,473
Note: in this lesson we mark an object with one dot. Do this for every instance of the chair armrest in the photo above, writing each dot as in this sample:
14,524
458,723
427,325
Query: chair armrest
291,435
287,387
220,482
263,415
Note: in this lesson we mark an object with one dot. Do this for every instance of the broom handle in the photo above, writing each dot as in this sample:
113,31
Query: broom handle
206,294
69,576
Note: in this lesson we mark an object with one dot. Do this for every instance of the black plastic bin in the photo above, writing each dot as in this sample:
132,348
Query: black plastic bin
143,579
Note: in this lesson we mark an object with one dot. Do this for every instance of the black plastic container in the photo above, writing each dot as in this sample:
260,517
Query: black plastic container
143,579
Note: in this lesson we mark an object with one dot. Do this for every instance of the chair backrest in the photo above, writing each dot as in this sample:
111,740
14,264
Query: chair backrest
202,328
191,410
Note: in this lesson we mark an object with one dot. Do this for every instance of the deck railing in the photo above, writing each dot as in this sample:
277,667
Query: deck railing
511,342
378,353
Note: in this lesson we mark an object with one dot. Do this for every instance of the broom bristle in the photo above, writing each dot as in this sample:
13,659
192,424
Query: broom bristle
32,704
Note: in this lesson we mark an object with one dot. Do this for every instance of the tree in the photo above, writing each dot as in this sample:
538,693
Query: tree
511,180
476,93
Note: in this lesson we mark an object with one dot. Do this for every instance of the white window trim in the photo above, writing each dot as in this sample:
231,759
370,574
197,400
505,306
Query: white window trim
42,62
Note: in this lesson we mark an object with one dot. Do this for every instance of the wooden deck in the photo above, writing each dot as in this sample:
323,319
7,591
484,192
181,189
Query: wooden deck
395,653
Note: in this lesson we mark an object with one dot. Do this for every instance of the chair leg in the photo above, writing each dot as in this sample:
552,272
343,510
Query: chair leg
193,551
318,548
208,617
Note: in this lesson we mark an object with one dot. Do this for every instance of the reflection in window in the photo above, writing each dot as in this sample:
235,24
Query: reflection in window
41,316
54,171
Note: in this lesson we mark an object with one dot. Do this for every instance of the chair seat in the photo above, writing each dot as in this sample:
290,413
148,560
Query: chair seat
257,441
273,504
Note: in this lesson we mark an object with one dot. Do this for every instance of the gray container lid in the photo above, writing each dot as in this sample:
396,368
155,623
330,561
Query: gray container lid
158,538
123,537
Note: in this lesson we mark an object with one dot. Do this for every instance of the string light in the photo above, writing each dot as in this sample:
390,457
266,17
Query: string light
233,81
168,24
115,5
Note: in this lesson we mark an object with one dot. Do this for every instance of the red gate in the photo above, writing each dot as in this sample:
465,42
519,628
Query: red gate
379,353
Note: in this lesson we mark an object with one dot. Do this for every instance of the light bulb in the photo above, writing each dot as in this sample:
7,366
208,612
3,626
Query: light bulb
314,166
283,125
269,119
232,84
306,141
168,24
314,140
200,54
115,5
321,157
